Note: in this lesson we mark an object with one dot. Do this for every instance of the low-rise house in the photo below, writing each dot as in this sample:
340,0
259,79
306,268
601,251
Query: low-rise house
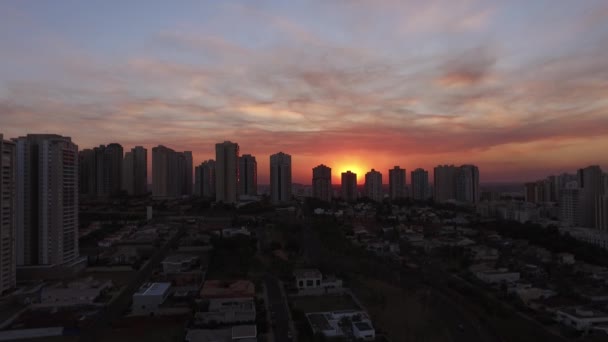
581,319
226,303
565,258
148,299
232,232
342,323
498,276
311,281
179,263
483,253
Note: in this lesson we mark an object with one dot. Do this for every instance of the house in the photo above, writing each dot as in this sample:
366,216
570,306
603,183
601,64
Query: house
226,302
311,281
178,263
581,319
498,276
148,299
82,292
232,232
565,259
342,323
483,253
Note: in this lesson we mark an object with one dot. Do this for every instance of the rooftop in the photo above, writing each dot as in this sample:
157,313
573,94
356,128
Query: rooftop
153,289
244,331
179,258
363,326
227,289
307,273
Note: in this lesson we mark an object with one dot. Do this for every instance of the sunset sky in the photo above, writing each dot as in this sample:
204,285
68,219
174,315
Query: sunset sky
519,88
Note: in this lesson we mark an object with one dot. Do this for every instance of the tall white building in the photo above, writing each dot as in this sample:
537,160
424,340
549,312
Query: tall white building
8,261
226,172
248,175
373,185
280,177
420,184
397,183
321,183
47,200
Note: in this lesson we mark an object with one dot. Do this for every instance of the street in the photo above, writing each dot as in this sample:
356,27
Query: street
278,309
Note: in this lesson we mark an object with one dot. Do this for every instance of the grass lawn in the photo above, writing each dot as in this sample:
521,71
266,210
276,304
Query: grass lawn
323,303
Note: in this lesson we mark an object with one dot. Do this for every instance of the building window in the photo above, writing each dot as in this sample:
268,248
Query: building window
301,283
309,283
318,282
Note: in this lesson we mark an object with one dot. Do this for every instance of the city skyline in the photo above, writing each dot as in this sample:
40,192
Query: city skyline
432,82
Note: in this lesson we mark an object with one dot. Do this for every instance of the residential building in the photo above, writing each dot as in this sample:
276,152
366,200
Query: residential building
226,172
321,183
226,302
280,177
205,179
582,319
248,175
47,200
349,186
498,276
569,204
590,182
331,324
140,170
127,174
113,169
164,172
184,173
467,184
420,184
445,182
373,185
8,168
148,299
312,282
601,213
397,183
87,173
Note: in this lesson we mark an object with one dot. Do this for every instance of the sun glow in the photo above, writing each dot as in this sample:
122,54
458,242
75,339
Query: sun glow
344,167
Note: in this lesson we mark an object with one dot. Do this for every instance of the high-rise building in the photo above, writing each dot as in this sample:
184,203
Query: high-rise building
445,182
140,170
113,168
8,260
590,181
530,192
420,184
467,184
47,200
280,177
135,171
349,186
321,183
569,204
204,184
248,175
164,172
184,173
601,213
373,185
87,174
127,174
226,172
397,183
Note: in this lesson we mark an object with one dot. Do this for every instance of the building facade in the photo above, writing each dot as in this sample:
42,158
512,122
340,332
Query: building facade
373,185
321,183
280,177
226,172
8,260
248,175
590,182
47,200
349,186
420,184
467,184
569,205
445,183
397,183
140,170
164,172
204,184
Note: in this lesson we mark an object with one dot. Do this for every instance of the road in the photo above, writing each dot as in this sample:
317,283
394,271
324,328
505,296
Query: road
278,309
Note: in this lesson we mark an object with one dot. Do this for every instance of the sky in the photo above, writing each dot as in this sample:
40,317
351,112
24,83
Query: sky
517,87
